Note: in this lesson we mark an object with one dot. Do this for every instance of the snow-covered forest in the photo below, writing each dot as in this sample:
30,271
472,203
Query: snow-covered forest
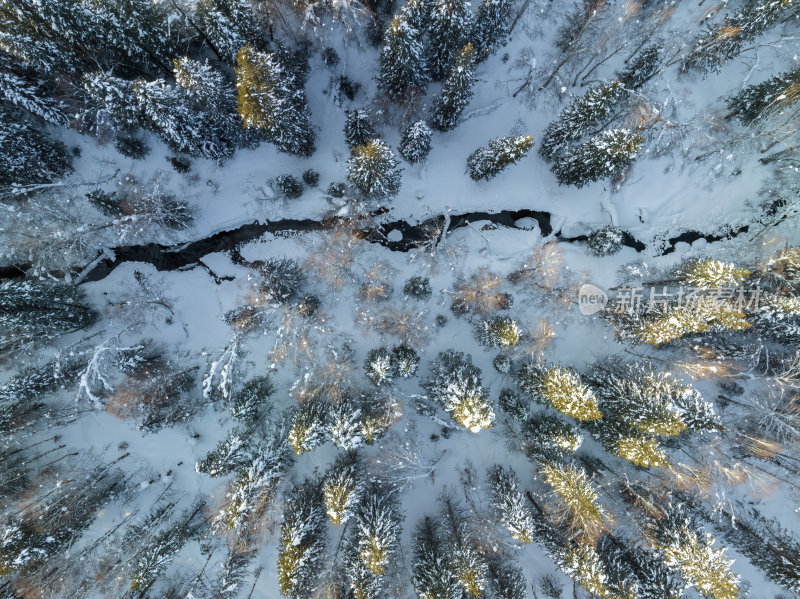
386,299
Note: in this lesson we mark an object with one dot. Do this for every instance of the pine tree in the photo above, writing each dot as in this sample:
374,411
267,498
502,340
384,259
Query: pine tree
709,273
373,170
308,424
250,403
302,541
583,564
227,25
492,25
230,454
576,494
29,156
113,107
498,331
487,162
432,578
778,317
643,68
358,129
719,43
415,142
448,31
283,279
509,504
604,155
767,98
548,437
561,388
405,361
345,425
455,382
40,311
702,565
374,541
342,487
579,118
506,580
402,70
270,97
378,366
456,91
466,562
20,88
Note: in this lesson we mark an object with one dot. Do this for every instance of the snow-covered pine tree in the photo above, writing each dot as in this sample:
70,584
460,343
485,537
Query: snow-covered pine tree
256,481
708,273
345,424
642,68
283,279
227,26
604,155
405,361
771,96
561,388
498,331
719,43
302,541
378,366
250,404
415,142
509,504
34,311
29,156
374,540
270,96
403,70
448,31
230,454
506,579
455,382
432,576
606,241
778,317
465,561
373,170
575,493
308,425
358,129
342,487
488,161
579,118
19,87
457,90
686,548
113,109
417,13
549,437
492,24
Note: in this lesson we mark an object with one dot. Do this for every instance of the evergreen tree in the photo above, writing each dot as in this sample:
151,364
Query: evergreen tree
702,565
373,170
492,25
579,118
576,494
40,311
719,43
509,504
308,424
402,69
250,403
378,366
712,274
342,487
230,454
114,110
29,156
456,91
415,142
506,580
432,578
466,562
643,68
448,31
548,437
302,541
270,97
778,317
283,279
455,382
405,361
498,331
487,162
227,25
358,129
561,388
20,88
756,101
374,541
604,155
345,425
